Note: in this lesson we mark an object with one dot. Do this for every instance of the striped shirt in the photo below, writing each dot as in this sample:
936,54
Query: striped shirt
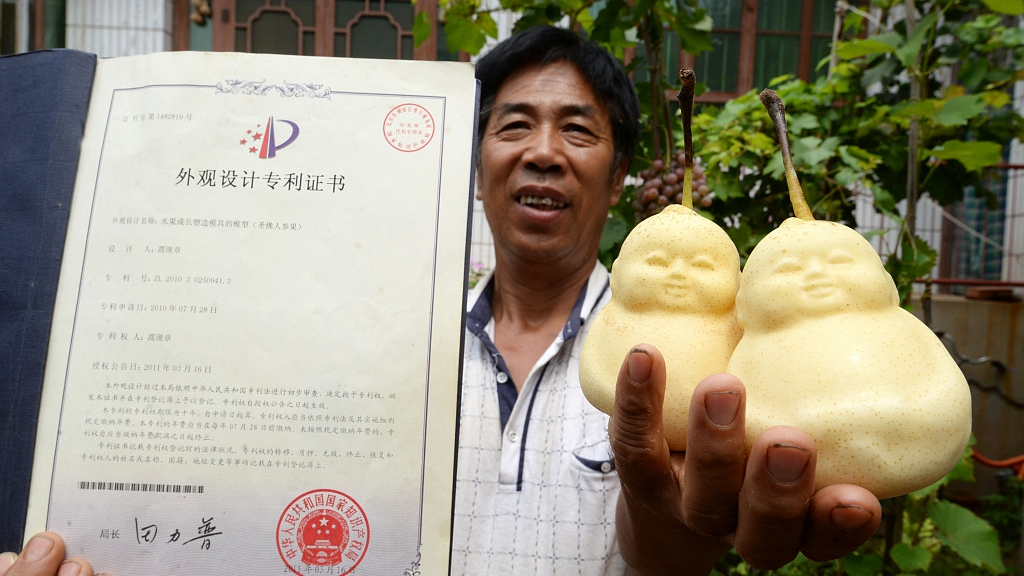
536,488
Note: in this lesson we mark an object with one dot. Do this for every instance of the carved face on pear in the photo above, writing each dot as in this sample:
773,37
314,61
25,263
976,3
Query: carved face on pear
808,269
660,269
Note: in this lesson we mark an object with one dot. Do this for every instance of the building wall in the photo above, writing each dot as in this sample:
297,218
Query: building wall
988,339
111,28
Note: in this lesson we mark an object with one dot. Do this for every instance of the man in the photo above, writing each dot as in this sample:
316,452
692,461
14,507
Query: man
546,484
537,490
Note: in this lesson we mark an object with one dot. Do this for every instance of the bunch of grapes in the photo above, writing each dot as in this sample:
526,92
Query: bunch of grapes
664,185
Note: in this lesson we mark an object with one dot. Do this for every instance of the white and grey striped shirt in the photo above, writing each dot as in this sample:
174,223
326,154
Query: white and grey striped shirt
536,488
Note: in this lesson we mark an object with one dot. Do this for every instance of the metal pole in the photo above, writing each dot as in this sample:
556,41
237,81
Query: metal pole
21,14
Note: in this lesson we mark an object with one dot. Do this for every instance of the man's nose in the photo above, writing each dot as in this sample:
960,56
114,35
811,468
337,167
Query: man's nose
545,151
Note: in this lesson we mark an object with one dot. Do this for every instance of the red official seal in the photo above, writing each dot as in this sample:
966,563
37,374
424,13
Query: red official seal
323,528
408,127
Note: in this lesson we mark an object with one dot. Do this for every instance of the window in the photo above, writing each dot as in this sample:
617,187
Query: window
755,41
355,28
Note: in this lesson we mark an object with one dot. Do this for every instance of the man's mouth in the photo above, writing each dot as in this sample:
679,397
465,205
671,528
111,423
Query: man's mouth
541,203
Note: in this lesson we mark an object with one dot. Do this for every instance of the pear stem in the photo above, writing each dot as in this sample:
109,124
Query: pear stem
777,112
688,79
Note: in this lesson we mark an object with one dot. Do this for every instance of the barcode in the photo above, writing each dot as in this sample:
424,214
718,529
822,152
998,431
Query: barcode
141,487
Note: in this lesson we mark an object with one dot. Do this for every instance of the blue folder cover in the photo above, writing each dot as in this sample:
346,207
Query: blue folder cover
44,97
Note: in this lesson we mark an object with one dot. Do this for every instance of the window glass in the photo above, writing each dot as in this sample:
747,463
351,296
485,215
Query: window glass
401,11
821,48
305,10
275,33
669,58
374,37
719,68
346,10
824,16
780,15
724,13
340,50
246,8
775,56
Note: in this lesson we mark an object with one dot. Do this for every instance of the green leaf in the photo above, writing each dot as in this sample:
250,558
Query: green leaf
957,111
615,230
908,52
910,558
801,122
761,141
919,108
1011,7
969,536
857,48
973,155
421,28
858,565
972,72
463,34
884,199
607,20
775,168
813,151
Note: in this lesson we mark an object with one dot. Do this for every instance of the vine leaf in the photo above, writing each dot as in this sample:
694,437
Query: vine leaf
973,155
910,558
1011,7
969,536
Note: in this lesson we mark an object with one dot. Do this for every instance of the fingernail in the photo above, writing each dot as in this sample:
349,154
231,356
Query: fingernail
722,407
850,518
787,462
37,548
639,365
70,568
7,559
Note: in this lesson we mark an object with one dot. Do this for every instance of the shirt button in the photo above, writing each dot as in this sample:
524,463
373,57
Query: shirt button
502,377
513,436
606,467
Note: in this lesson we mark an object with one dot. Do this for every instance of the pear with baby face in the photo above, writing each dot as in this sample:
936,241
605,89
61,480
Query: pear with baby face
673,286
826,348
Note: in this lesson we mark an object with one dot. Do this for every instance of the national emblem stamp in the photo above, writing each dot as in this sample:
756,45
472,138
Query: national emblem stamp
323,528
409,127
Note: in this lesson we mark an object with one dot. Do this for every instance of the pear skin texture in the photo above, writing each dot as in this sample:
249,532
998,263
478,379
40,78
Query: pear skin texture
673,286
827,349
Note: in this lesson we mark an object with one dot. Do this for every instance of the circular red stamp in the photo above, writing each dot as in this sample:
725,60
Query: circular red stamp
324,528
408,127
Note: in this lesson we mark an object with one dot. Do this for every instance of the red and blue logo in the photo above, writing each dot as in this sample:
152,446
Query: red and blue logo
265,143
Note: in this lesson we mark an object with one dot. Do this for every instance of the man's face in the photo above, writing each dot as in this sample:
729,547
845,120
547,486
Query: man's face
546,174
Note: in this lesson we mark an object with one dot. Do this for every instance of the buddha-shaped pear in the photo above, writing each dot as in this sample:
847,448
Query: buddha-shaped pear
673,286
826,348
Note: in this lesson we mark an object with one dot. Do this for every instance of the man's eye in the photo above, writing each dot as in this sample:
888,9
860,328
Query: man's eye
578,128
518,125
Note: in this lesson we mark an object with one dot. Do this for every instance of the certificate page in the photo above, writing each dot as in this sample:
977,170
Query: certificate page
255,355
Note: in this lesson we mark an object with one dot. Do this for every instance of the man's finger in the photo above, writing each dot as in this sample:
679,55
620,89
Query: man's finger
842,517
41,556
637,435
775,497
715,455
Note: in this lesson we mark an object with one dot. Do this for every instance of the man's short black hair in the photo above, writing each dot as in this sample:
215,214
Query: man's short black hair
547,45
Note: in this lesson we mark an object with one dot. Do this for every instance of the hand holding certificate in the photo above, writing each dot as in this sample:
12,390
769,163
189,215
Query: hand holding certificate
256,343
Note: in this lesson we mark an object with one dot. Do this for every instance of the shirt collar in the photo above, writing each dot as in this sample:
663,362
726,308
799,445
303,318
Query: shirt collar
479,311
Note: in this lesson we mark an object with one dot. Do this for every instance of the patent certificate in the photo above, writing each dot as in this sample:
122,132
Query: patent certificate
255,355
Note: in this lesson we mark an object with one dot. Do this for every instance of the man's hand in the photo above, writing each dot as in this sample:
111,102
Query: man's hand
43,556
680,512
